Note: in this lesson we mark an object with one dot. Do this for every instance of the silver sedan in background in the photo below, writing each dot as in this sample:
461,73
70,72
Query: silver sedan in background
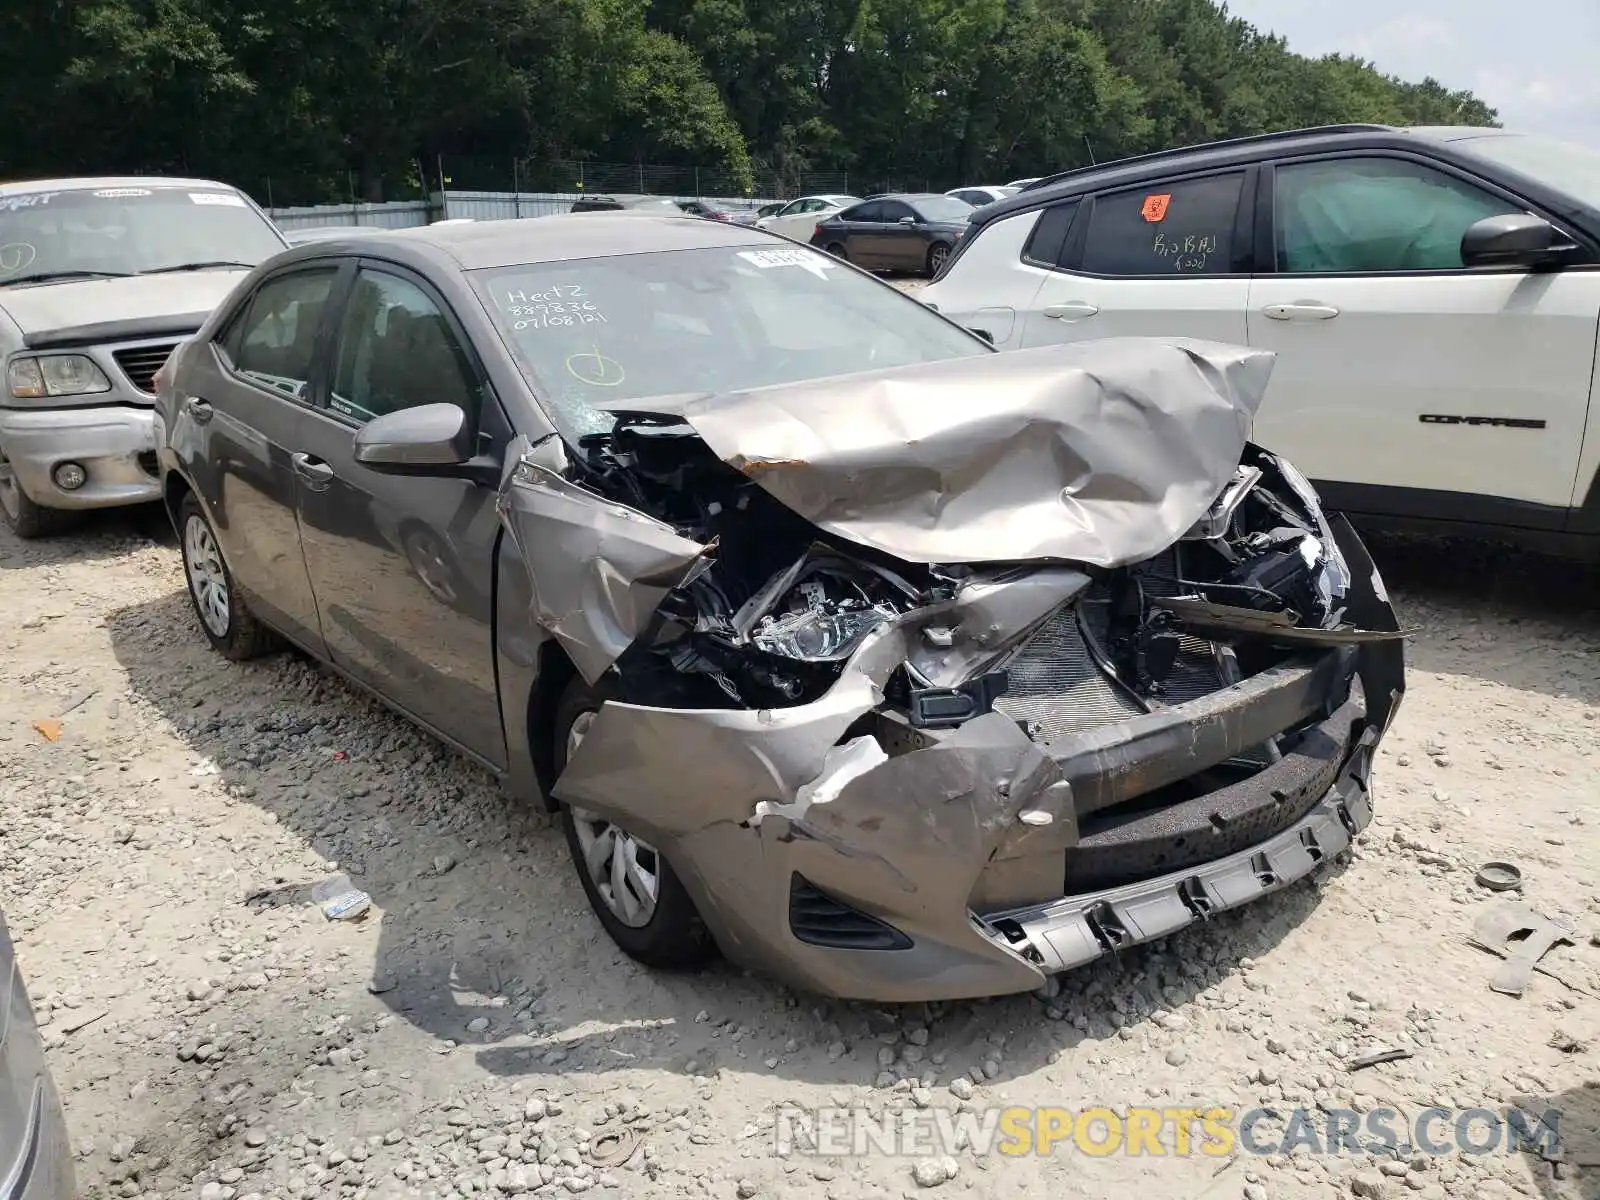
35,1156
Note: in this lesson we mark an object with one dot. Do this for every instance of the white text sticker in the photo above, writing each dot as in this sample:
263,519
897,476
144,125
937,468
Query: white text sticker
806,260
227,198
120,193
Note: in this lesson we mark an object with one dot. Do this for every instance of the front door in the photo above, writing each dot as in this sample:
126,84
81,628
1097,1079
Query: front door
237,433
1168,259
1398,368
403,567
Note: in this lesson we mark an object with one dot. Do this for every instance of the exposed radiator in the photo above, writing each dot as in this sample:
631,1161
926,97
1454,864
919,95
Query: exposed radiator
1056,688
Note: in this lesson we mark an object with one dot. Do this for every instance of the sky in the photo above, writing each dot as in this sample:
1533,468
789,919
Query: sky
1533,60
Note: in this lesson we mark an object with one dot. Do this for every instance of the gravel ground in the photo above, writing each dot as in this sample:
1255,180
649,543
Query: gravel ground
214,1036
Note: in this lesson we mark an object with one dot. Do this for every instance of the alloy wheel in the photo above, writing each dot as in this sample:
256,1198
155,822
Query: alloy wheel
207,578
625,871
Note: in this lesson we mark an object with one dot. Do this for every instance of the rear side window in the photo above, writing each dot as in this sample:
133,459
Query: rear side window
1048,240
870,211
1374,214
276,340
1179,228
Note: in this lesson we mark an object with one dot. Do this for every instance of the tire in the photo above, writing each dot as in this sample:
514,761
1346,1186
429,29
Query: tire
938,255
838,251
232,629
22,516
672,936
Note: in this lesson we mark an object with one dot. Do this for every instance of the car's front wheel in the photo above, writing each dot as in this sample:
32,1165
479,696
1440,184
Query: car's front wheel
630,885
23,517
229,625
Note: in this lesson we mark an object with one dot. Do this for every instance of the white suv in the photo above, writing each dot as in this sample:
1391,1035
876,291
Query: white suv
1433,296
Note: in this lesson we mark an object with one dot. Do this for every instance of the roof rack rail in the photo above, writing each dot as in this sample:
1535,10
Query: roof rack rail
1252,140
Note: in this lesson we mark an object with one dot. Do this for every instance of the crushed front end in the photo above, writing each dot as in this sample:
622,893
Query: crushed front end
932,775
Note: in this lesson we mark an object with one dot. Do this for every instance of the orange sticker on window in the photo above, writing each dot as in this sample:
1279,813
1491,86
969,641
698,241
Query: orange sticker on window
1155,207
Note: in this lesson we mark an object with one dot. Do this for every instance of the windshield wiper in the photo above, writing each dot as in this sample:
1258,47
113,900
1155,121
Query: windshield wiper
197,266
51,276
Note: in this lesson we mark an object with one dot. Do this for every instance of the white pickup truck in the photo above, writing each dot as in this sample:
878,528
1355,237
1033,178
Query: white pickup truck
99,280
1432,295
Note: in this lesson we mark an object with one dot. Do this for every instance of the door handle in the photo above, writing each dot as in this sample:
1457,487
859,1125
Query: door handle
1073,310
1300,310
316,473
199,409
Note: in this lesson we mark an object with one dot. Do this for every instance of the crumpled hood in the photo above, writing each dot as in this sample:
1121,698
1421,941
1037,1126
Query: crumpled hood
1103,452
49,307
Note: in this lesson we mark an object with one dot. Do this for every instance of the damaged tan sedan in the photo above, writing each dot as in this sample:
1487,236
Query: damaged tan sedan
847,646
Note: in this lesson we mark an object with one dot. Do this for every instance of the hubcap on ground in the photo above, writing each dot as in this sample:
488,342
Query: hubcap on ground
207,579
625,871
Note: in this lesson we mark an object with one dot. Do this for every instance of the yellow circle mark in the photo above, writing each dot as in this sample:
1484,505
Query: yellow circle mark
15,257
596,369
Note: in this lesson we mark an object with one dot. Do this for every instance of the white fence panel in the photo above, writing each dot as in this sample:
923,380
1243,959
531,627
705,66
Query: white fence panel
399,214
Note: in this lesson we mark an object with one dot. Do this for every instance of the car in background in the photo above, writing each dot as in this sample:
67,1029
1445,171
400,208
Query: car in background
99,279
704,487
326,233
620,202
1432,296
35,1154
912,232
1019,184
713,211
979,196
798,218
769,210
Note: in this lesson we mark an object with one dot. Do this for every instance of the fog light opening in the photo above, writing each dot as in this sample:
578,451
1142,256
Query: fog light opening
69,476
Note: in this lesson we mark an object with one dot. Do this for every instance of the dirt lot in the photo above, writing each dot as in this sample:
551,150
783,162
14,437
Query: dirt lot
214,1036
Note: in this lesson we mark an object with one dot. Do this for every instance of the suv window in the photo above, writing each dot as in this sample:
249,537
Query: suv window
1179,228
1374,214
275,341
396,350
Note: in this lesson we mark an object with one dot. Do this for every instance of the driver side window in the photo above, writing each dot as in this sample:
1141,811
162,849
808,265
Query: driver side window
397,351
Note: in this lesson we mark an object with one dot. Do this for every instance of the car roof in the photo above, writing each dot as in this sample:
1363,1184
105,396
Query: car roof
88,183
556,238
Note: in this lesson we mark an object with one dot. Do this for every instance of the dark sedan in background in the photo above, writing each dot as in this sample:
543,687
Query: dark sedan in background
909,232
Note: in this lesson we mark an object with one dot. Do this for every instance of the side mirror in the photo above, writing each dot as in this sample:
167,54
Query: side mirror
426,440
908,220
1513,239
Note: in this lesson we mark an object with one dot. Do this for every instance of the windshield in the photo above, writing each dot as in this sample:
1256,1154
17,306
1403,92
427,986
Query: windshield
712,320
942,208
1565,166
128,231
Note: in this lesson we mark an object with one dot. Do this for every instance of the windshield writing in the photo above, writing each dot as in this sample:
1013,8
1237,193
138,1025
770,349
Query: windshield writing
633,326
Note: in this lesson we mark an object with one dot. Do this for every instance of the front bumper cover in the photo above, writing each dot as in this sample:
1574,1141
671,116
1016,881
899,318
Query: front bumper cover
115,444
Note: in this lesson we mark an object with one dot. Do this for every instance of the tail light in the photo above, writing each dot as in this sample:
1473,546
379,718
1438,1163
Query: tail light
817,230
719,216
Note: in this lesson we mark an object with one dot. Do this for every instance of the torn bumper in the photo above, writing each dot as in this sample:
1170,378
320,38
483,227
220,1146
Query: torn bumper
973,861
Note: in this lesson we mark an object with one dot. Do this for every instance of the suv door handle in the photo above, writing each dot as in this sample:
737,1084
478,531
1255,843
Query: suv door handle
199,409
316,473
1300,310
1073,310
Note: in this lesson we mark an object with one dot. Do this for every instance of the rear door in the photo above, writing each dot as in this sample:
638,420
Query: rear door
236,432
1170,258
1407,383
402,567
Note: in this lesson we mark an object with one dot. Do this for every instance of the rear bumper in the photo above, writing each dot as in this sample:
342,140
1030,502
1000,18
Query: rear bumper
115,445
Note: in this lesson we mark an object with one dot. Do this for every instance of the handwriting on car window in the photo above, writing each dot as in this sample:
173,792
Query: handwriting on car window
559,306
1186,253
